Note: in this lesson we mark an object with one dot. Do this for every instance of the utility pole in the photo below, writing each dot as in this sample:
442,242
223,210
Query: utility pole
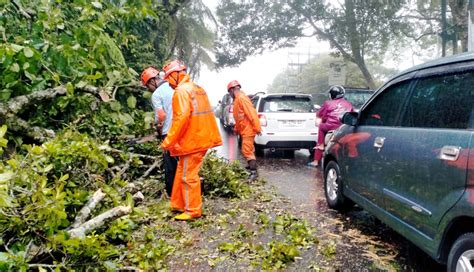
470,34
296,61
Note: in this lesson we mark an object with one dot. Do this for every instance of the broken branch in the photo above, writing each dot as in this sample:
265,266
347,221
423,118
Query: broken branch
99,221
87,209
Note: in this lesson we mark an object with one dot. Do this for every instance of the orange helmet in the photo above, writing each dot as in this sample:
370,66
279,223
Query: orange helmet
232,84
173,66
148,74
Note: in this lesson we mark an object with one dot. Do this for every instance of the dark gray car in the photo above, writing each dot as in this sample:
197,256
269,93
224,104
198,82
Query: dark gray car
408,158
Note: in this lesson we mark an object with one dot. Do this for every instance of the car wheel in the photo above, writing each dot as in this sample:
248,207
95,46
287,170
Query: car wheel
311,155
289,153
461,255
333,188
259,151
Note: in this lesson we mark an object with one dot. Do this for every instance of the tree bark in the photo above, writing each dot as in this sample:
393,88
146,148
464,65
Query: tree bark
9,110
99,221
355,55
84,213
459,11
356,45
17,124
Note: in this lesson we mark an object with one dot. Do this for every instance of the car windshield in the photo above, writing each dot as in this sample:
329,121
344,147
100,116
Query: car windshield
357,98
287,104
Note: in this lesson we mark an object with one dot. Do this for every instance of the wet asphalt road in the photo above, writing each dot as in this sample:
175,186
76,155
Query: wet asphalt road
361,232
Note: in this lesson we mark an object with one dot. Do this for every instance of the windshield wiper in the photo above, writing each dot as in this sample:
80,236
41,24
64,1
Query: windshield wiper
285,110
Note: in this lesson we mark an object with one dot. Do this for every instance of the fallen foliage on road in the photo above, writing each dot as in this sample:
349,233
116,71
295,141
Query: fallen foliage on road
74,203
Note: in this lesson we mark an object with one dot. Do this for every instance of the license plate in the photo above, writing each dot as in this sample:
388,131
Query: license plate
291,123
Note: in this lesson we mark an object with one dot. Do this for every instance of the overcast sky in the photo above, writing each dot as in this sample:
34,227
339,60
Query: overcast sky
254,75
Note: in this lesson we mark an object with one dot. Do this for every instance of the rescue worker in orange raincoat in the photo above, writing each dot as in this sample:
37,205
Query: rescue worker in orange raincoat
247,124
193,131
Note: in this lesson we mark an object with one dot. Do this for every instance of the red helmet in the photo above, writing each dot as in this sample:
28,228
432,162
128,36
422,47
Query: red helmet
173,66
148,74
232,84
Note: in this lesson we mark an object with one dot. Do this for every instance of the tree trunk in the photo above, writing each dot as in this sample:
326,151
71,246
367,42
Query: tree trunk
459,11
355,43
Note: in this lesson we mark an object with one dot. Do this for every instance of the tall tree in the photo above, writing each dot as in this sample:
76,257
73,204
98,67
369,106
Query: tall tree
356,30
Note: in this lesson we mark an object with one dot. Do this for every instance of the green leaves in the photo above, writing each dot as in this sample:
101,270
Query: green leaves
223,179
3,141
131,102
28,52
66,43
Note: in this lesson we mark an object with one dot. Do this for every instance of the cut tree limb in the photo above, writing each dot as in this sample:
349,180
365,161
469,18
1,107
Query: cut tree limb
9,110
99,221
152,167
15,123
87,209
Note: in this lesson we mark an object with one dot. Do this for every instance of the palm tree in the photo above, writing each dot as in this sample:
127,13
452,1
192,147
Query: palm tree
191,36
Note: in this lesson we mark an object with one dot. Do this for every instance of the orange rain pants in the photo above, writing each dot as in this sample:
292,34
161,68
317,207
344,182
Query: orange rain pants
186,193
248,148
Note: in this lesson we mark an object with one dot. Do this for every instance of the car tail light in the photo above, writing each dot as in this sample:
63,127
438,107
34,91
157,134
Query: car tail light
263,120
317,121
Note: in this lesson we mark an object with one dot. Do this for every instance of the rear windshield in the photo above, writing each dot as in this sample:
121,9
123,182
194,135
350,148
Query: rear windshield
286,104
357,98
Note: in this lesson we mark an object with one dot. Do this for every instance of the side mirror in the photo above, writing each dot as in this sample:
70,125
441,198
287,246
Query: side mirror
350,118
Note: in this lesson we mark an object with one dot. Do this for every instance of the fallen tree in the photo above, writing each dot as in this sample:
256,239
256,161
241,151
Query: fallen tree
10,110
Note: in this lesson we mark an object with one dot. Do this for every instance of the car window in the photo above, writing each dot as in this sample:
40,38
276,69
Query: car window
384,109
441,102
286,104
254,102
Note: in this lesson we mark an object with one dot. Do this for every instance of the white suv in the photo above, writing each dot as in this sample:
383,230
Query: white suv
288,121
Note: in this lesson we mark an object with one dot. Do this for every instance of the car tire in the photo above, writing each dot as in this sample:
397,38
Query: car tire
289,153
333,188
311,154
259,151
461,255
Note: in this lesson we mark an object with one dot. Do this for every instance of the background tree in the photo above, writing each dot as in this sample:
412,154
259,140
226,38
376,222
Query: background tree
459,14
313,78
357,30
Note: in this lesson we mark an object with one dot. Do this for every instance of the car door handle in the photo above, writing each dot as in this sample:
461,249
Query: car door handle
378,143
450,153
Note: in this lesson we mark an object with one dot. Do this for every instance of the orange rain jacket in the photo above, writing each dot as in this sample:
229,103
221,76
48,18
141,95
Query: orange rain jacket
245,115
194,127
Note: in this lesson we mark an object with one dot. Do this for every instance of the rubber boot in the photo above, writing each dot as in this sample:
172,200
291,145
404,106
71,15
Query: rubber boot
253,170
184,217
253,175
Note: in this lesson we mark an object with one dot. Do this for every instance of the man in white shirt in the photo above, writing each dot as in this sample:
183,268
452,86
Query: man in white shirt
161,100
